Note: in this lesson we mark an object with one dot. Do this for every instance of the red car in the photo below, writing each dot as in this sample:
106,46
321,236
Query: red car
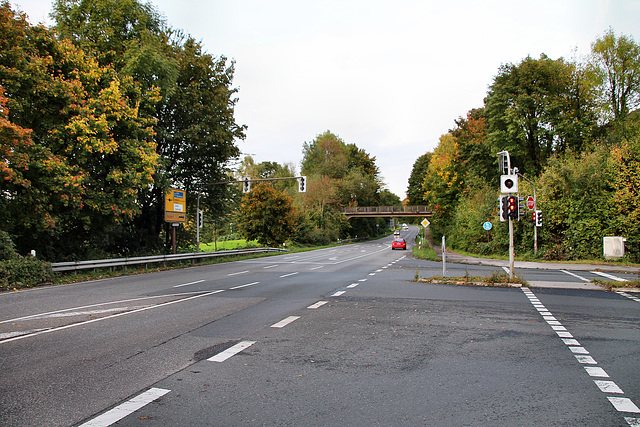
399,244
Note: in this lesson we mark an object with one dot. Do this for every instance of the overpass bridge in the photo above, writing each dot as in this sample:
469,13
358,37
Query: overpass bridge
385,211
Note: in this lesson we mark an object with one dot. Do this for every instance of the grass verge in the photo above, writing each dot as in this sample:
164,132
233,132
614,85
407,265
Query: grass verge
496,279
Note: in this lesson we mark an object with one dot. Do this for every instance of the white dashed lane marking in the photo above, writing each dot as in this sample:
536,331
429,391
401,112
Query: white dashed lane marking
290,274
239,272
231,351
317,305
285,322
621,404
126,408
244,286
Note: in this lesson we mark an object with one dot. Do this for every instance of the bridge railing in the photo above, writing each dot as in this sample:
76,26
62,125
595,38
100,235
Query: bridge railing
381,210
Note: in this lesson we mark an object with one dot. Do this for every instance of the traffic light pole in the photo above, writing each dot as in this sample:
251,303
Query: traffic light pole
511,249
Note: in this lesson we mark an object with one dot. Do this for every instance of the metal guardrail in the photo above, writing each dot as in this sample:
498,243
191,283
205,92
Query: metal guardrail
123,262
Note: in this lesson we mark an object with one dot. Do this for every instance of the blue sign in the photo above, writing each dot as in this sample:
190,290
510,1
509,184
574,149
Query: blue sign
487,226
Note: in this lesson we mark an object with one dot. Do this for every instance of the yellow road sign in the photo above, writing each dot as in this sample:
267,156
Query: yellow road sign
175,206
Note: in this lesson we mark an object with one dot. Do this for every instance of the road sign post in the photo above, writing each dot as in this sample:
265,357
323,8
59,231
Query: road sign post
425,223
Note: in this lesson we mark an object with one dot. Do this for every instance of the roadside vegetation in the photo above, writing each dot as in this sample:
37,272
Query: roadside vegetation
610,284
572,127
497,278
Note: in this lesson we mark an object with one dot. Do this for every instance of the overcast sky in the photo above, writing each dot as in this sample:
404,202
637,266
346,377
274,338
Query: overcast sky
389,76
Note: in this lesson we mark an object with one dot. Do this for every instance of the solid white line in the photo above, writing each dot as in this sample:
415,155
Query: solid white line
610,276
317,305
126,408
290,274
73,325
506,269
285,322
575,275
239,272
244,286
187,284
608,387
231,351
623,404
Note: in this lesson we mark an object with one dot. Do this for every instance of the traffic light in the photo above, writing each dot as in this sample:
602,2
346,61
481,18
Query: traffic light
508,183
533,217
538,215
504,210
246,185
200,219
512,207
302,184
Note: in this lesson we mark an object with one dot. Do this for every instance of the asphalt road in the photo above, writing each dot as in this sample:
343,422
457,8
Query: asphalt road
340,336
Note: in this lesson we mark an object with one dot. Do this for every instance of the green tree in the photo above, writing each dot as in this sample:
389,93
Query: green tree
267,215
625,166
415,191
533,110
326,155
616,65
575,196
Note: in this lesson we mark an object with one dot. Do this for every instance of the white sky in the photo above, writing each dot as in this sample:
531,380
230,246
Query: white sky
389,76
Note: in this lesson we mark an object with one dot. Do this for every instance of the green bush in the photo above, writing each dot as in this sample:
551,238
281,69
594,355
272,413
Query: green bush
24,272
7,247
20,272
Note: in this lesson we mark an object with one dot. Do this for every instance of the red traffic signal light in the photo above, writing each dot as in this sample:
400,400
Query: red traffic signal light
512,204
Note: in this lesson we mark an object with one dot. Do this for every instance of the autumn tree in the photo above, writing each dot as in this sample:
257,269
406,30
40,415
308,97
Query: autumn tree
90,149
267,215
195,128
